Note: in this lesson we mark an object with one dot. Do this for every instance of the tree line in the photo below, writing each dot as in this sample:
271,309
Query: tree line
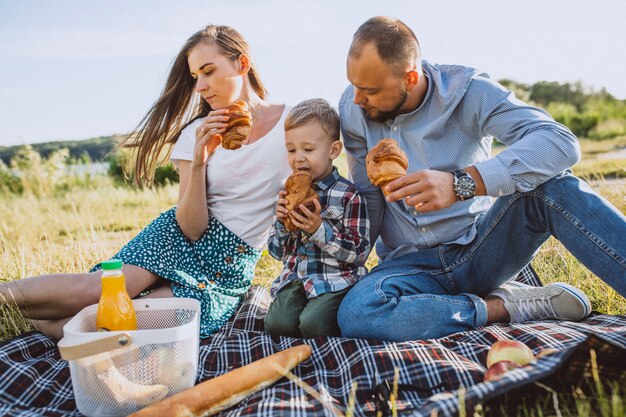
95,149
589,114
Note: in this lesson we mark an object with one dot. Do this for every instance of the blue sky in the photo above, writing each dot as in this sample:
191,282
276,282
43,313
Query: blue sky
74,69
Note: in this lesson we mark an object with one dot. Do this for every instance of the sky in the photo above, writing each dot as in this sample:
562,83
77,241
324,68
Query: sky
77,69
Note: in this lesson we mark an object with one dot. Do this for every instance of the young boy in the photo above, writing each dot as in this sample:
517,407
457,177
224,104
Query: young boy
326,255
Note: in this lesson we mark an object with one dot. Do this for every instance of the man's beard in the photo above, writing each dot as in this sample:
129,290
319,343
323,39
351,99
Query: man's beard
383,116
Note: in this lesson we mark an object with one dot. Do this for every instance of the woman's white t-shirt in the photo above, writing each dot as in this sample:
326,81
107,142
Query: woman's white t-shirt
242,184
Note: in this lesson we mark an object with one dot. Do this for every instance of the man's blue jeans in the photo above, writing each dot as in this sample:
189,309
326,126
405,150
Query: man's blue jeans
439,291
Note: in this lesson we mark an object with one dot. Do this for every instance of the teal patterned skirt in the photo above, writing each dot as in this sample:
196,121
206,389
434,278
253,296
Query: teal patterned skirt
217,269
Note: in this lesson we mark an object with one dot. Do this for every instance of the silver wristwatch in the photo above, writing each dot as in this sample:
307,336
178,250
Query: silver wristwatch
464,185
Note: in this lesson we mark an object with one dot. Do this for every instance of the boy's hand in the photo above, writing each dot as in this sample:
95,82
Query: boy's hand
308,221
281,206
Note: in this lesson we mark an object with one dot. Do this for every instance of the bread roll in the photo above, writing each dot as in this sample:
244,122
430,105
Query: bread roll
299,191
386,162
217,394
239,126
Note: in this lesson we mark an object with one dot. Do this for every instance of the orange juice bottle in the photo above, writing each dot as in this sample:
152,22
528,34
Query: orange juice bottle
115,309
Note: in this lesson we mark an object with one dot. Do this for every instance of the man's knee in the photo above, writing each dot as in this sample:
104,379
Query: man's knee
565,182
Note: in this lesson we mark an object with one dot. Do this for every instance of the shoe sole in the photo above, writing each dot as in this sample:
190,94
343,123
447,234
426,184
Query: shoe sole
581,296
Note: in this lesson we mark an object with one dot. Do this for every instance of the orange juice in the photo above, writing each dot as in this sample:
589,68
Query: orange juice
115,308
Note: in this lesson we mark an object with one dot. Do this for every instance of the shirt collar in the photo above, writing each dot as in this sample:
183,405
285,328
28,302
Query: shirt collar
327,181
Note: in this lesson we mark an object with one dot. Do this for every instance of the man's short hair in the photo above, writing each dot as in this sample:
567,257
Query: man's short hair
395,42
316,109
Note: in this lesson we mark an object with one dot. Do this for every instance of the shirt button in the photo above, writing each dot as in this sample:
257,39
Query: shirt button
415,212
211,282
305,240
241,249
218,275
201,285
423,230
500,192
228,260
395,128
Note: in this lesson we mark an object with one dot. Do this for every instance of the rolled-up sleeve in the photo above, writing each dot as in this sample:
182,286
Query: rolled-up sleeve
539,148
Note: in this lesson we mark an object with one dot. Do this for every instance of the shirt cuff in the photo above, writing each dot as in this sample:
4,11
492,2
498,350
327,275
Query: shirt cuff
280,230
498,181
322,235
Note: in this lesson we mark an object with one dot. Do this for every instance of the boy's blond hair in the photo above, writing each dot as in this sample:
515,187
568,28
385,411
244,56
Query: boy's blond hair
316,109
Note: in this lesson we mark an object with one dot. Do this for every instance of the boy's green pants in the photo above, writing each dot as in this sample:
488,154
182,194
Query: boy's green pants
292,314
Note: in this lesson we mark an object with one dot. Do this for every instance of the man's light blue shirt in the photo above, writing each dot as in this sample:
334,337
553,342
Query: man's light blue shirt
453,128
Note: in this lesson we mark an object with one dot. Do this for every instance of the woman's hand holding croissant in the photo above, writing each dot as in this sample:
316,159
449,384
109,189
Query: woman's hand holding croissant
208,136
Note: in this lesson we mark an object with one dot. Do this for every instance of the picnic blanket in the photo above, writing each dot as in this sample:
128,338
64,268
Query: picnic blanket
35,381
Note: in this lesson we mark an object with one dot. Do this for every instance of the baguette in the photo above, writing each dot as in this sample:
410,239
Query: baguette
217,394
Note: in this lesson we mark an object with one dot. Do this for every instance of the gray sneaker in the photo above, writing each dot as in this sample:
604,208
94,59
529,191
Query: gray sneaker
554,301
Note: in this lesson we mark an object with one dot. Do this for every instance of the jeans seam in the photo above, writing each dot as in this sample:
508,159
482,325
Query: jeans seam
445,270
578,225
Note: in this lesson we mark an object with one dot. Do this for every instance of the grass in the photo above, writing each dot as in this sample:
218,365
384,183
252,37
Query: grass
73,230
591,148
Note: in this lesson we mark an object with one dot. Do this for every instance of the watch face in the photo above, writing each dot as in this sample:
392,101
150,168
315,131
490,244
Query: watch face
465,187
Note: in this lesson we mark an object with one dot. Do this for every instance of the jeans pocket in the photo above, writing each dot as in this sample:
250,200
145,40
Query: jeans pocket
400,279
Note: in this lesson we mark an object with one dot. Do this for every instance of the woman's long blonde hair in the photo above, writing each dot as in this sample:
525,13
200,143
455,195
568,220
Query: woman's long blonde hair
176,107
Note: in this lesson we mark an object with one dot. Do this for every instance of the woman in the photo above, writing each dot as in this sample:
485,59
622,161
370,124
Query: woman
190,251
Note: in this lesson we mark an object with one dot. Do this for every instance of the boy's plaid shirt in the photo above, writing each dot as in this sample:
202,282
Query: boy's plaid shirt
333,257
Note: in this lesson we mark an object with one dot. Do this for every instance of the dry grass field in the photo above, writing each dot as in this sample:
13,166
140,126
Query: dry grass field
73,230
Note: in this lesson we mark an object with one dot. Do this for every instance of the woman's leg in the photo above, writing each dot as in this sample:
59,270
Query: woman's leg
58,296
54,328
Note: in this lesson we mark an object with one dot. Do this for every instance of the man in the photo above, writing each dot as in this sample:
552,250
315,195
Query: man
446,246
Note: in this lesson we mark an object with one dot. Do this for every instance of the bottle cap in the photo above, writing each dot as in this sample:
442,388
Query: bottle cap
111,264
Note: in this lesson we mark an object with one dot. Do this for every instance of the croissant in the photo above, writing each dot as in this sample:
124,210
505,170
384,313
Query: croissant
386,162
239,126
299,191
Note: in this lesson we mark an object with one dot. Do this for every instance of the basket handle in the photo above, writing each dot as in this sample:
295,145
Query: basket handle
71,352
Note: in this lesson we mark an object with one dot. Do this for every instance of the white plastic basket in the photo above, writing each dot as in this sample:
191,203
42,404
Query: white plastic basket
117,373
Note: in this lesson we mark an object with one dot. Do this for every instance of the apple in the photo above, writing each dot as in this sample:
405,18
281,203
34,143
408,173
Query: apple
498,369
510,350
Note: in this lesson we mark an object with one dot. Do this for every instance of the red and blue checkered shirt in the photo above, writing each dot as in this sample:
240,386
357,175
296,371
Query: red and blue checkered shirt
333,257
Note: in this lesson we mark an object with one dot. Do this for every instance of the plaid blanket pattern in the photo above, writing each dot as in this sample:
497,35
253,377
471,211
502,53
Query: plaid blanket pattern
35,381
